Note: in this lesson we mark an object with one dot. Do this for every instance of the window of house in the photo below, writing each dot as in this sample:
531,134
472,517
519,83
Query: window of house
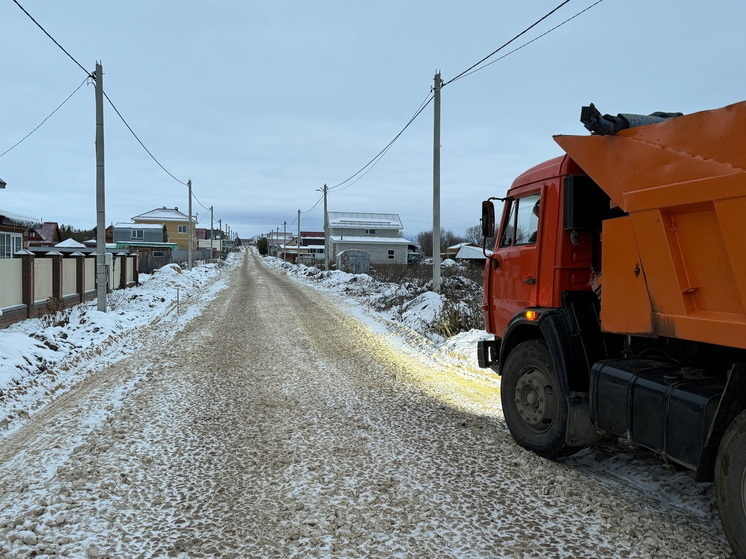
523,222
137,234
182,228
391,255
370,231
10,243
158,253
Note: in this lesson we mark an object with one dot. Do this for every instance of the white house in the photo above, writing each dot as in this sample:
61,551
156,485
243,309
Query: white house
378,234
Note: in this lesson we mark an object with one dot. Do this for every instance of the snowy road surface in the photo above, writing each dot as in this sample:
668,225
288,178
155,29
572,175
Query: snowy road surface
274,425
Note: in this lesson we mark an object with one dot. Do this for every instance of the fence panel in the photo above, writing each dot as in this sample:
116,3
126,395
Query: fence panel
11,282
42,279
90,274
69,276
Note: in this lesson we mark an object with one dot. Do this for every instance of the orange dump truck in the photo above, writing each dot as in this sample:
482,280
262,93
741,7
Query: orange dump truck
616,293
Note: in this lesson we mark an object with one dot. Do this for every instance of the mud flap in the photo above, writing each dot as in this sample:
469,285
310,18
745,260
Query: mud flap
580,430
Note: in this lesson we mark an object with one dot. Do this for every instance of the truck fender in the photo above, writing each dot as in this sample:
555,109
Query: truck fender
550,325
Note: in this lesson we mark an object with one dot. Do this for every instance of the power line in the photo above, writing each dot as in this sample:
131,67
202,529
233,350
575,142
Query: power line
140,141
89,74
469,72
46,119
537,22
368,166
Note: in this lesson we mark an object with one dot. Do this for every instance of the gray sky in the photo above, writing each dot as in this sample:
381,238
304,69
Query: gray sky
262,103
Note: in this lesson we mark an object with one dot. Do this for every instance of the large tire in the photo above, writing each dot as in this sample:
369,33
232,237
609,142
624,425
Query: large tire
534,406
730,484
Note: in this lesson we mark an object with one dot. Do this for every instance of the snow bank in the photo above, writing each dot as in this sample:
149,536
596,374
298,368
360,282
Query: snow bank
41,356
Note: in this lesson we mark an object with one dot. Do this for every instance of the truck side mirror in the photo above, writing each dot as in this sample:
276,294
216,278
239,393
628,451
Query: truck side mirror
488,219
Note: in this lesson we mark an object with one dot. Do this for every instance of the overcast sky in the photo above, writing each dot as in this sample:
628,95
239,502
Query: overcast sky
262,103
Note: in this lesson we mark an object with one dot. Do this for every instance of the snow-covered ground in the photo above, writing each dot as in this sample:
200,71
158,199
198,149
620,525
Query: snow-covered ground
41,359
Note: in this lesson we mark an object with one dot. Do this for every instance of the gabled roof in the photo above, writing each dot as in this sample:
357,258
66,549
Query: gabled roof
357,220
48,232
163,214
469,252
69,243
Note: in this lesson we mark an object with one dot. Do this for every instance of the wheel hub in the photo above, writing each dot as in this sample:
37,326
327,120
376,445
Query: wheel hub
535,399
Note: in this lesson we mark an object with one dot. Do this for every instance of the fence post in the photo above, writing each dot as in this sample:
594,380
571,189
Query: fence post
80,275
135,268
27,276
57,291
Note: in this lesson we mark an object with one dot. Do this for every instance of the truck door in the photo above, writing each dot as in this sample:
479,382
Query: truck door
515,269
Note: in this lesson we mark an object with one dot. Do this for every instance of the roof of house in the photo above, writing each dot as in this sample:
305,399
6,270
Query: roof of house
69,243
20,219
371,240
469,252
163,214
460,245
358,220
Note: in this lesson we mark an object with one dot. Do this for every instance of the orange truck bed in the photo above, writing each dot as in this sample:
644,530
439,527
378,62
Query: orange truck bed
674,266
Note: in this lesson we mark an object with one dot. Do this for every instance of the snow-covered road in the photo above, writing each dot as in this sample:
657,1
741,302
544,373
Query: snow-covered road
275,425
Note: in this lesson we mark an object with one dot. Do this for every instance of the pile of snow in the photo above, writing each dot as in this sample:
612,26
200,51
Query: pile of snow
41,356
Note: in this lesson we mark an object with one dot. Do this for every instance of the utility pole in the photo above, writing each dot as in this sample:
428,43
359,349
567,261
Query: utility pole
189,226
220,227
102,280
297,244
212,234
326,230
436,183
284,239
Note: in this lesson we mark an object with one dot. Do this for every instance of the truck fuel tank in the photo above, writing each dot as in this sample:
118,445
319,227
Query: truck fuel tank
659,406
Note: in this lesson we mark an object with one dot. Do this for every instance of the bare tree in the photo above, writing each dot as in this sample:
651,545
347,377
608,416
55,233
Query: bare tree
447,238
474,235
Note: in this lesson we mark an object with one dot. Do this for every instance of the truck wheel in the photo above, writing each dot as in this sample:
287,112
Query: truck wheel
730,484
533,405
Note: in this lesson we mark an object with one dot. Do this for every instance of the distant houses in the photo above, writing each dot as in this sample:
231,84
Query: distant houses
174,222
378,234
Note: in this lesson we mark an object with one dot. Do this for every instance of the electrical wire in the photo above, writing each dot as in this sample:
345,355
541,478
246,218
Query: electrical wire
140,141
494,52
89,74
470,70
468,73
46,119
368,166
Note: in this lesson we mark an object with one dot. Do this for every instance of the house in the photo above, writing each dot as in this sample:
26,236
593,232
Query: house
378,234
46,235
175,223
311,246
148,240
276,242
313,241
472,254
14,232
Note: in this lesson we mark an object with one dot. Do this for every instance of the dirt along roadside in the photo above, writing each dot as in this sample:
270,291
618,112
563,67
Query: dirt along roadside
273,425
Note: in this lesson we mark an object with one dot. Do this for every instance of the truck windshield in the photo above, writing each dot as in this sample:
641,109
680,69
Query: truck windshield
523,221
